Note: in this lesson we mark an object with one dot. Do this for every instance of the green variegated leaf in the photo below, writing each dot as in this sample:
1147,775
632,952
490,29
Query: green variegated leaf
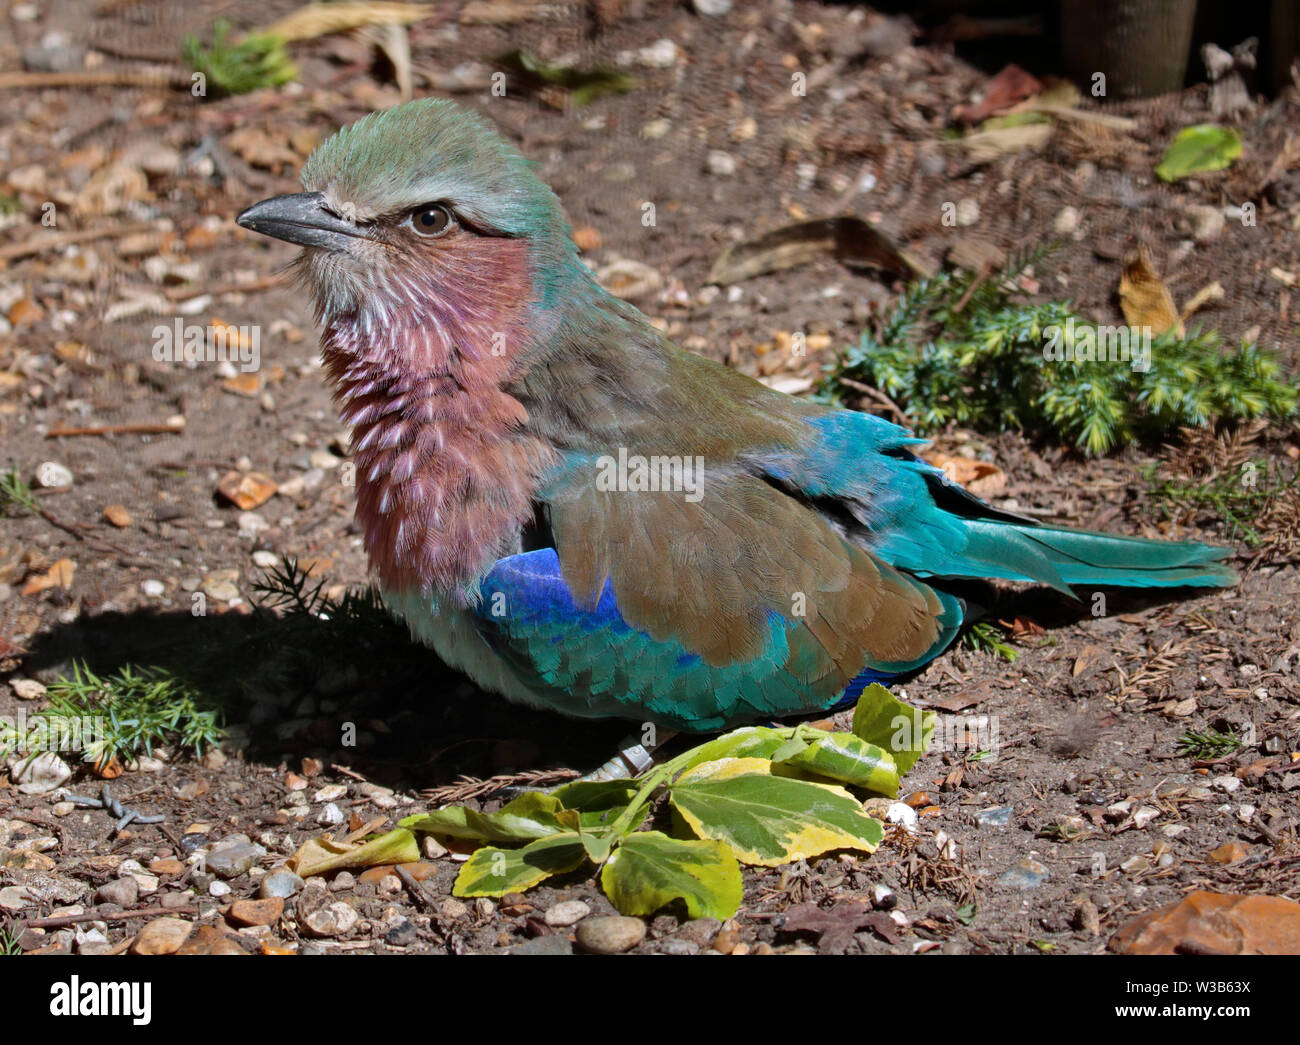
589,795
495,872
746,742
531,815
649,870
882,719
1205,147
848,759
318,855
771,820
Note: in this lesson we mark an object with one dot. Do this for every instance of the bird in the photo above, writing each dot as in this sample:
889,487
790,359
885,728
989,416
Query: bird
584,517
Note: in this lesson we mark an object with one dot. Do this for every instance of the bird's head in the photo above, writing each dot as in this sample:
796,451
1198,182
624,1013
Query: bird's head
437,260
423,216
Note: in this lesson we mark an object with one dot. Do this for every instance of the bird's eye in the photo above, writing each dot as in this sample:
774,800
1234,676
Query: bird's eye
431,220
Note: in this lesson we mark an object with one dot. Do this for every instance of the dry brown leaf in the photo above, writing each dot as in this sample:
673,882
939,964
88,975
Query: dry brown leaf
1204,297
981,478
112,188
985,146
1000,93
504,12
848,238
395,42
1144,298
313,20
58,575
246,491
262,149
1086,658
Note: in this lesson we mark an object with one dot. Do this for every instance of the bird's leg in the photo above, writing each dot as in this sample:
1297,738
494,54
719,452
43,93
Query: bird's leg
635,755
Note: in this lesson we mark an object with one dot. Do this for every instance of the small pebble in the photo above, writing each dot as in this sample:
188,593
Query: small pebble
256,912
566,913
122,891
610,935
1028,874
53,476
335,919
279,884
403,934
1066,221
233,856
721,164
27,689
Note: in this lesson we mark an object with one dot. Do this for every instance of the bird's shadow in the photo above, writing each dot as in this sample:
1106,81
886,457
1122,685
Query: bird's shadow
352,688
353,692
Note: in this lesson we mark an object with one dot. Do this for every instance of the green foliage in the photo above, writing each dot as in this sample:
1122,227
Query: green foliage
16,496
987,637
758,795
287,587
256,61
1207,744
132,710
9,942
1236,496
584,85
957,351
1195,150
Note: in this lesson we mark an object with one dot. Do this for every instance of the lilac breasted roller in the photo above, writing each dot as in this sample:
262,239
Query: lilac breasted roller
582,516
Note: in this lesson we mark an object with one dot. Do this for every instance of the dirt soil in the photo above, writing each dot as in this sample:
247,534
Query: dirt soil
1086,813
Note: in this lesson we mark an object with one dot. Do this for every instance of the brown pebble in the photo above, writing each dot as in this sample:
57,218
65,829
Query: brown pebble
117,515
1229,853
587,237
256,912
727,939
210,940
246,491
25,311
162,936
375,875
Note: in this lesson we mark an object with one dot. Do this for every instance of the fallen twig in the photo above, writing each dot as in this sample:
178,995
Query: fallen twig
265,283
97,78
875,394
53,240
141,428
416,889
94,916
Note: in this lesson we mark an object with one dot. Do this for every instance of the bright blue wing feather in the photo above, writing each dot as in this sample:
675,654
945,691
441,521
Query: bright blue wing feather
588,661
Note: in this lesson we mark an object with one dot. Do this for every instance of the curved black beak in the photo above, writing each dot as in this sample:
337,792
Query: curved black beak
303,219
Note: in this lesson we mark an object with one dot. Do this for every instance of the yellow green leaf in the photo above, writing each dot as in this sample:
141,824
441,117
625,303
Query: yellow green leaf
848,759
1194,150
494,872
771,820
746,742
903,731
650,870
531,815
318,855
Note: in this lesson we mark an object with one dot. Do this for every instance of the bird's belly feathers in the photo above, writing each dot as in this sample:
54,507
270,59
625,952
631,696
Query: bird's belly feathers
450,632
